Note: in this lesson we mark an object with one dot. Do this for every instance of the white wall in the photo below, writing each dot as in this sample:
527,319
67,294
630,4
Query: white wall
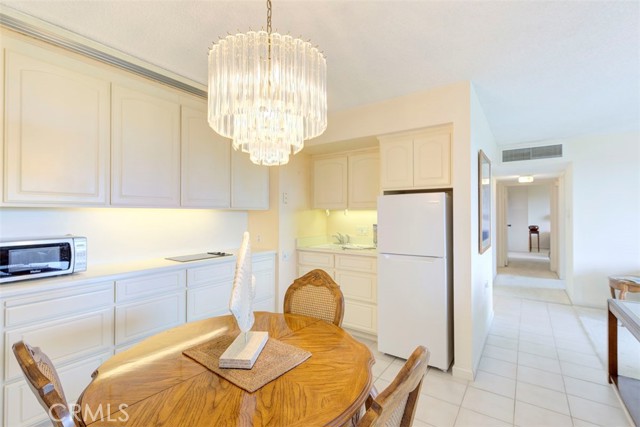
529,205
605,212
518,219
117,235
482,265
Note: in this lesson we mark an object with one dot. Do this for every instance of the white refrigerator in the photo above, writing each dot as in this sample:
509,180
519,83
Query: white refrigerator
415,276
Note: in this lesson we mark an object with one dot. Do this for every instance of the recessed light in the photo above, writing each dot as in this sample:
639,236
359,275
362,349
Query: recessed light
525,179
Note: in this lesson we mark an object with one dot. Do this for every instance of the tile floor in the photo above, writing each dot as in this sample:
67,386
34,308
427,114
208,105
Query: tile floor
538,368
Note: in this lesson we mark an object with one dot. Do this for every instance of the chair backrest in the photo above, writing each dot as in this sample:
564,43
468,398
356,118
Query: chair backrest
396,405
44,382
315,294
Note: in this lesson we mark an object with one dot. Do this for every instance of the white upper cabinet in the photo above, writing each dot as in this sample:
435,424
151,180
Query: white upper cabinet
206,162
249,183
145,146
346,181
364,180
330,176
57,129
416,160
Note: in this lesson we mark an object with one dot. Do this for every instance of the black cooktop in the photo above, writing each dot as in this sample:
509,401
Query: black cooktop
197,257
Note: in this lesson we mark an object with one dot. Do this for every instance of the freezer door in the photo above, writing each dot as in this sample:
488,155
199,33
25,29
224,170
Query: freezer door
414,307
413,224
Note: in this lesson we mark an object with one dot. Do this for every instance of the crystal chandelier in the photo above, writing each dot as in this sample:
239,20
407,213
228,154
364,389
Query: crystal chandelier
267,92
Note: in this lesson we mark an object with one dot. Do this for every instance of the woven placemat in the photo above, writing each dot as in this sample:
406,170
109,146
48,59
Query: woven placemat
276,359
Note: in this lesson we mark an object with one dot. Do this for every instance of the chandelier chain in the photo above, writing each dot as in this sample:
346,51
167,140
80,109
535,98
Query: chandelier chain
269,16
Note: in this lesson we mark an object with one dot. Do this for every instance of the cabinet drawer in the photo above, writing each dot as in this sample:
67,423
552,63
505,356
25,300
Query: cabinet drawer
268,304
367,264
265,284
263,264
208,301
20,405
317,259
304,269
63,340
358,286
151,284
360,316
52,305
140,319
210,274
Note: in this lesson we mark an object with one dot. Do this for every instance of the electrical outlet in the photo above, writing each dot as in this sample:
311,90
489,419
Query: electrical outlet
285,198
362,230
285,256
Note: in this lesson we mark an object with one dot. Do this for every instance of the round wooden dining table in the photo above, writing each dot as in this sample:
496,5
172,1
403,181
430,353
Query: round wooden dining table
154,384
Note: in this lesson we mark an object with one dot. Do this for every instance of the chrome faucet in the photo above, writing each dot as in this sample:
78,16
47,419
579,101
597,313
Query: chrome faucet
343,239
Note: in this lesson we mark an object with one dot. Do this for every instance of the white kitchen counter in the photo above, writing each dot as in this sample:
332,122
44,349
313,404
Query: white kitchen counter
110,272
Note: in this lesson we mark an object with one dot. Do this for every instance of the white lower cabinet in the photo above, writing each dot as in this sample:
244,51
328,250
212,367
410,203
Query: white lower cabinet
209,290
80,327
152,303
21,406
73,326
357,277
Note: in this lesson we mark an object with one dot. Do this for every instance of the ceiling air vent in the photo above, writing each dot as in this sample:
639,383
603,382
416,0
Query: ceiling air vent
532,153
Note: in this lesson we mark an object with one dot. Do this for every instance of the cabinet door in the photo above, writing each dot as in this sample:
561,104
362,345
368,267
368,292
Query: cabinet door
396,163
432,160
57,131
249,183
206,163
364,180
145,147
330,183
23,409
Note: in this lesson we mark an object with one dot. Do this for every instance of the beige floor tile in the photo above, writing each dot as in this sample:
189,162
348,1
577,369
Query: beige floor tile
392,370
543,397
498,367
597,413
489,404
539,362
586,373
583,359
591,391
536,338
495,384
538,349
500,353
509,343
540,378
469,418
444,386
436,412
527,415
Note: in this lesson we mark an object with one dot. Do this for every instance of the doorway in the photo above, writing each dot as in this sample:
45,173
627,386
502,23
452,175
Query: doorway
528,259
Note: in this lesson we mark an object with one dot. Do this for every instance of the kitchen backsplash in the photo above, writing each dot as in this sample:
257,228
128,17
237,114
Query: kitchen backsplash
358,224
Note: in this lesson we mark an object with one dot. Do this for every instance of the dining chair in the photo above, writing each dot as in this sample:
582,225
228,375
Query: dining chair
44,382
315,294
395,406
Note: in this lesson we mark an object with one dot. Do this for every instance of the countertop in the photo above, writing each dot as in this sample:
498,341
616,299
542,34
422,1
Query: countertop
111,272
350,249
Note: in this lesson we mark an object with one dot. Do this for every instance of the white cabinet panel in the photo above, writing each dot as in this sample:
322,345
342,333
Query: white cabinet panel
62,340
57,130
316,259
416,160
360,316
211,274
365,264
206,163
140,319
21,407
249,183
208,301
149,284
145,147
330,183
357,286
432,160
47,306
364,180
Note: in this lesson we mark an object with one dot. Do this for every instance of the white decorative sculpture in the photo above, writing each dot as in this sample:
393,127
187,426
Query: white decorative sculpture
244,350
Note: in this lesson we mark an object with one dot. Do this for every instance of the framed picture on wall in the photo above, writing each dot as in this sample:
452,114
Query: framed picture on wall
484,202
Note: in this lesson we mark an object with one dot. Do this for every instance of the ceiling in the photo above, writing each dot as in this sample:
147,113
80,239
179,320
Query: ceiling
541,69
